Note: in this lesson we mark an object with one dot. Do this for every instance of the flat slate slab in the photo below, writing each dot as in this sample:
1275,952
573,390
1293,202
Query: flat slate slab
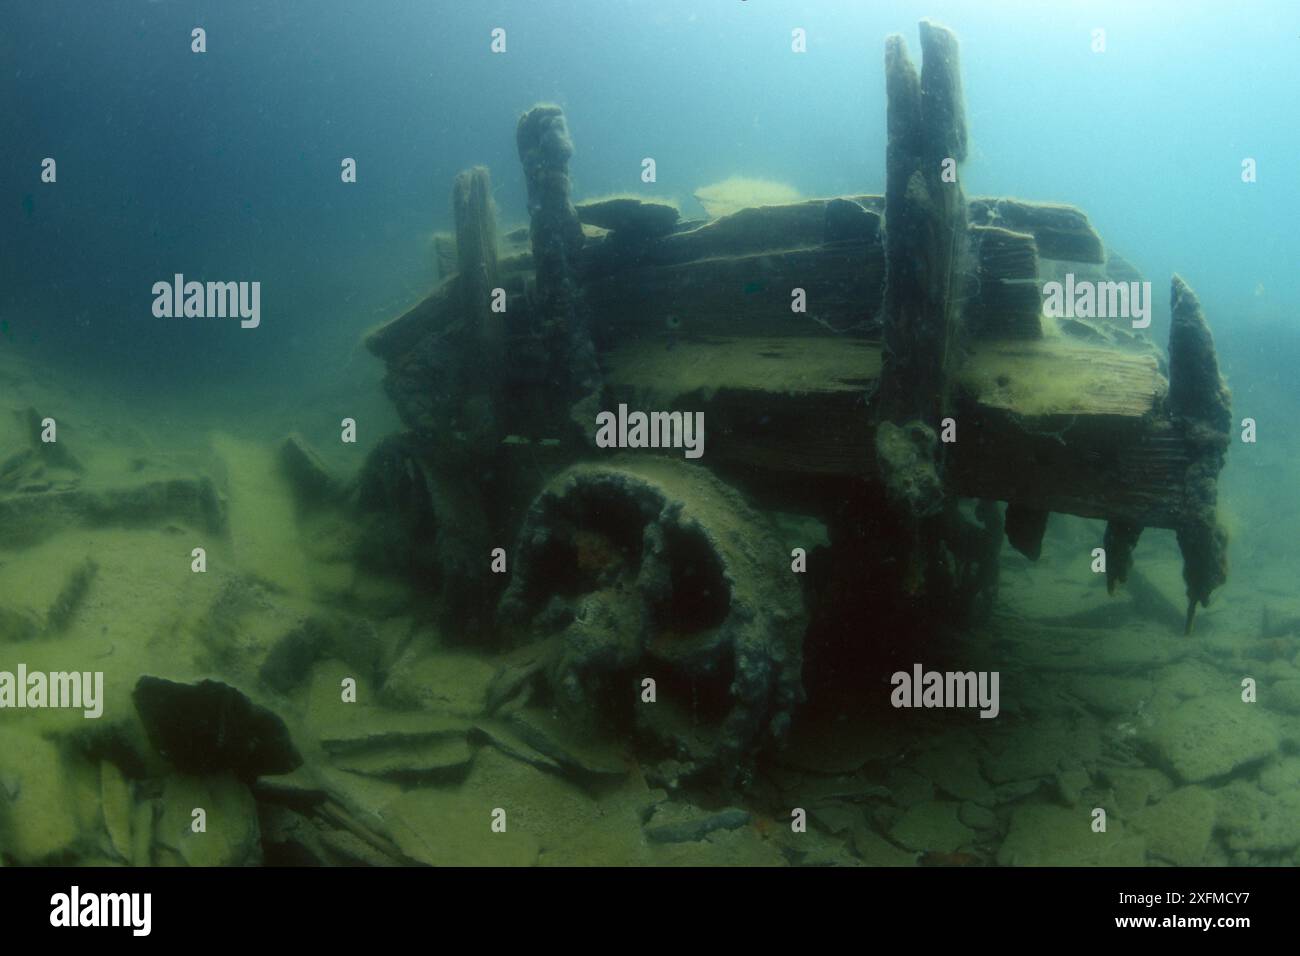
1043,835
629,216
411,760
932,826
1208,737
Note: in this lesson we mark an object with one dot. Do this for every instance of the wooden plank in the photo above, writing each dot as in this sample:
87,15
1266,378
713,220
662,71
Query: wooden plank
562,325
1086,444
1030,380
1096,467
398,336
808,224
789,405
1061,376
925,238
743,294
660,371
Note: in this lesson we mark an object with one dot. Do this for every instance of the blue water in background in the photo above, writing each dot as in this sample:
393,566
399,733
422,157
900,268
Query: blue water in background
225,165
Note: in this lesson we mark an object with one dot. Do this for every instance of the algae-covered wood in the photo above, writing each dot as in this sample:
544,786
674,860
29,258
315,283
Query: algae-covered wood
743,295
1048,423
1059,376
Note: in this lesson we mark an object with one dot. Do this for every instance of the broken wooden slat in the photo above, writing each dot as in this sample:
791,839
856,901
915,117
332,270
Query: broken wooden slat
1199,400
807,224
1025,528
1120,539
759,229
398,336
1006,301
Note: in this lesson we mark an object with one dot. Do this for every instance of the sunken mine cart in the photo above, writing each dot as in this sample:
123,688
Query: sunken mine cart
883,364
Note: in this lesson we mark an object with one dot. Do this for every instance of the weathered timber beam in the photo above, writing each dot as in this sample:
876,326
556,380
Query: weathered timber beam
545,148
1199,400
476,248
797,407
804,225
1092,466
742,295
925,231
925,246
398,336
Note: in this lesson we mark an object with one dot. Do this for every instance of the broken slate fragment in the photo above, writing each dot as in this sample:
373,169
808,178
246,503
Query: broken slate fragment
685,825
551,736
232,836
629,216
501,735
411,761
1210,736
932,826
210,727
369,729
37,820
1179,827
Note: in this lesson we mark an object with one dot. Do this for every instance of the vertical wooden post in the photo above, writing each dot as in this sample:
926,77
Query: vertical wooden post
925,228
542,137
925,244
476,247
